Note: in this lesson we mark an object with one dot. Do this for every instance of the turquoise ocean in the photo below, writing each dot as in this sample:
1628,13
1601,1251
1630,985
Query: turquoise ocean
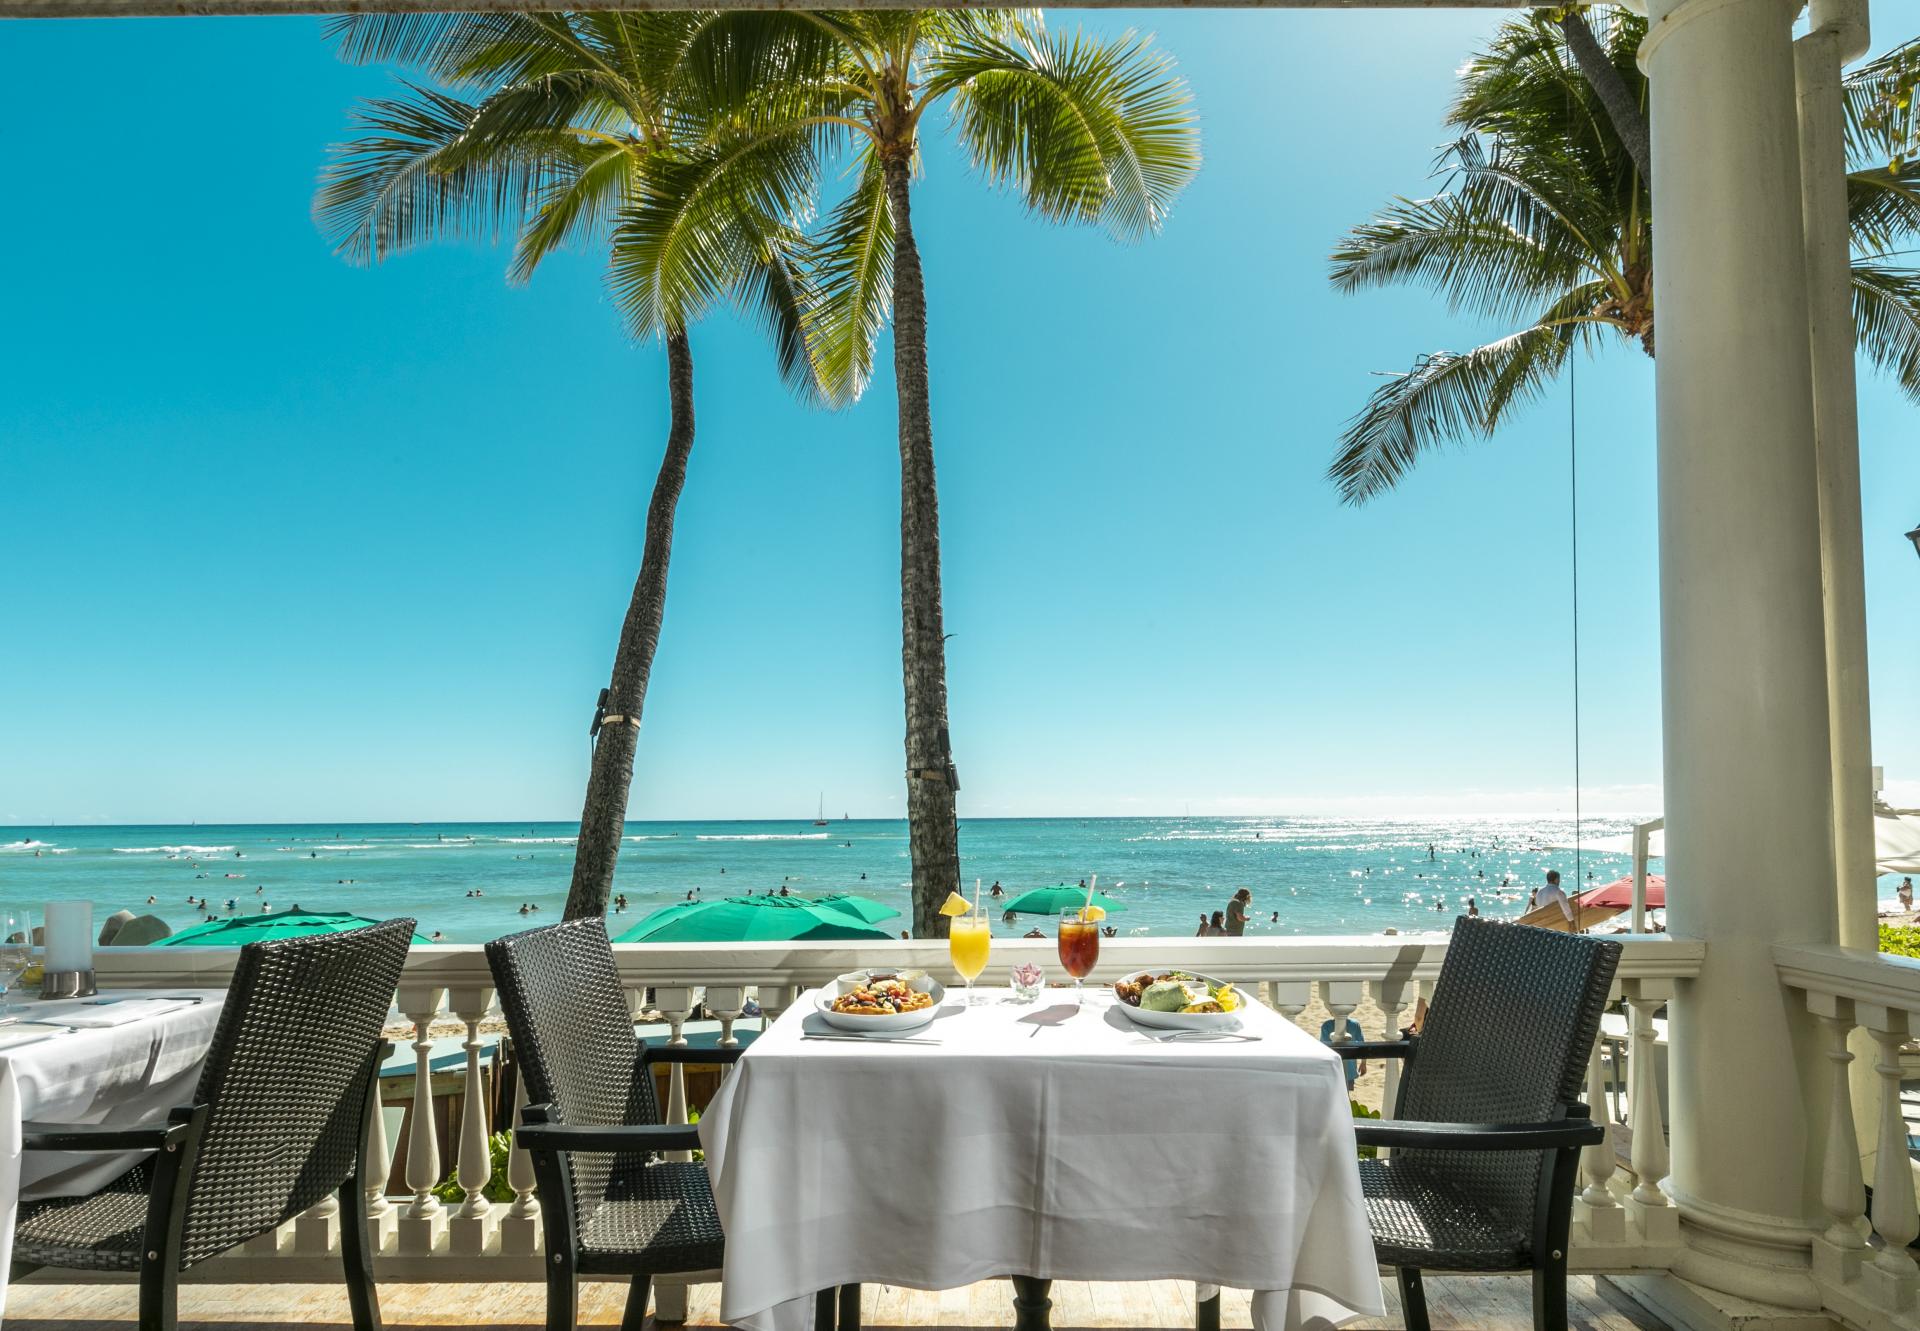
1320,875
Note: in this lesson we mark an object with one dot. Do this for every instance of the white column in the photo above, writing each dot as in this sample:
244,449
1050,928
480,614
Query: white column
472,1225
423,1221
1743,659
1838,34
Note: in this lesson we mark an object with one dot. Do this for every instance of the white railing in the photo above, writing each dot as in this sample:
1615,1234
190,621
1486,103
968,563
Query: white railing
1861,1262
1624,1221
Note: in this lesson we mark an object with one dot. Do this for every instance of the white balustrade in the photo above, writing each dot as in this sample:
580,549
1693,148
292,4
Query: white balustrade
1868,1278
417,1238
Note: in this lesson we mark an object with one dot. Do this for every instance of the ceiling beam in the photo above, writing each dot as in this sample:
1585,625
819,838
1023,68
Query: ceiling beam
191,8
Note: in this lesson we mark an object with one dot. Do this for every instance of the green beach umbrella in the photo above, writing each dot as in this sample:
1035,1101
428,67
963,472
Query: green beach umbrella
864,909
290,923
1061,897
749,920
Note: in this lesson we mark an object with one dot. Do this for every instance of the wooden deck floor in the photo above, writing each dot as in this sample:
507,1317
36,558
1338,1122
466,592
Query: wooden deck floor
1482,1303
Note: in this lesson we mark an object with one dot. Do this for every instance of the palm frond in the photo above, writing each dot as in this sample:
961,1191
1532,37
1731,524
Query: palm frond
852,286
701,222
776,291
1477,262
1446,398
1883,206
1087,130
1886,318
1882,112
577,203
411,178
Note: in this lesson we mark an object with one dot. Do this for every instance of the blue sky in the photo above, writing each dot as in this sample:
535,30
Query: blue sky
286,539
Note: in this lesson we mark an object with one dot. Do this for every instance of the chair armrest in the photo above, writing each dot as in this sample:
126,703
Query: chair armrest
106,1136
686,1053
621,1138
1557,1135
1374,1049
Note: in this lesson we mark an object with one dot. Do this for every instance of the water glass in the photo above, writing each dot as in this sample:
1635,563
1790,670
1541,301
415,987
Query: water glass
16,954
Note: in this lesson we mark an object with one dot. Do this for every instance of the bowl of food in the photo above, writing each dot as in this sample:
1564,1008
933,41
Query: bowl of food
881,1000
1176,1000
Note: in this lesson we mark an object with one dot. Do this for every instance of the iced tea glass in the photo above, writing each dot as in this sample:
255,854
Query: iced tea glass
1079,948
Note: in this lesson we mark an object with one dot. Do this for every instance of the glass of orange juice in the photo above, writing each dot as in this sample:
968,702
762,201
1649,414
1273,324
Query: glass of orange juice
968,942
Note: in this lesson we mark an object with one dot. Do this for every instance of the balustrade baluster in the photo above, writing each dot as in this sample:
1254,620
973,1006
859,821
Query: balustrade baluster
1890,1277
375,1163
676,1005
423,1221
520,1229
1838,1253
472,1226
1391,994
1597,1209
725,1006
1654,1215
1290,997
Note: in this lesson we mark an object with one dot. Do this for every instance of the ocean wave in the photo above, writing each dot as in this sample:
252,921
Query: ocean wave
657,836
171,850
346,845
439,845
767,836
27,845
539,840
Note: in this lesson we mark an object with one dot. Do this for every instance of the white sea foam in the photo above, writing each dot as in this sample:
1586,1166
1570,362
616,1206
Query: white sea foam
27,845
539,840
439,845
346,845
171,850
658,836
768,836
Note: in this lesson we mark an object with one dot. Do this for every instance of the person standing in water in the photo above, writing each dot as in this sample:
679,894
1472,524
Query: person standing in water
1237,912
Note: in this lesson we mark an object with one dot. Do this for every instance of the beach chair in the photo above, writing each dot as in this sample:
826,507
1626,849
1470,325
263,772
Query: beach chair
610,1204
1488,1128
276,1126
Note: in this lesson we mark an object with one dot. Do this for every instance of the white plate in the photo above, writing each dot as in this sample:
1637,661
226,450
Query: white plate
1182,1021
887,1022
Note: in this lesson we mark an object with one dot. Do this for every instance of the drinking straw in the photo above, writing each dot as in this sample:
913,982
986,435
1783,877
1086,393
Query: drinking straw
1087,905
976,896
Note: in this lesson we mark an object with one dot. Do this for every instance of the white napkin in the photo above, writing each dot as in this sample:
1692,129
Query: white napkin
119,1012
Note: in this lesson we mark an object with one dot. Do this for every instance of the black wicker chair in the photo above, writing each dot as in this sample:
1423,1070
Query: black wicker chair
610,1205
1487,1131
275,1126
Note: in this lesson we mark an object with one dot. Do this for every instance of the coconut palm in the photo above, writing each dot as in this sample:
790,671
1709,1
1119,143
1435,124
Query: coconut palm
570,129
1084,129
1542,219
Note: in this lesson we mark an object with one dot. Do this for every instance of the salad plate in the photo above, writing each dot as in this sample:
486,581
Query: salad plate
1167,999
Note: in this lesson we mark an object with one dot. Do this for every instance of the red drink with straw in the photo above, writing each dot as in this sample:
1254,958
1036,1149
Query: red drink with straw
1079,945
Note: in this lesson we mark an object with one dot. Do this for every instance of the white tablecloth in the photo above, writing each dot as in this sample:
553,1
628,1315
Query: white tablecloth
121,1074
1044,1141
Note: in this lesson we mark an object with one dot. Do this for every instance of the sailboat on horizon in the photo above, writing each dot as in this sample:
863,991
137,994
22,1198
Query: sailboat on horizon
820,816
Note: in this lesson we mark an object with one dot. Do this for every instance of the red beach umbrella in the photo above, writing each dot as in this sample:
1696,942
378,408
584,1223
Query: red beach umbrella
1619,893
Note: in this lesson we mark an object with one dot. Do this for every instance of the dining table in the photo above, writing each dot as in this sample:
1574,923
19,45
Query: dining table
122,1057
1054,1139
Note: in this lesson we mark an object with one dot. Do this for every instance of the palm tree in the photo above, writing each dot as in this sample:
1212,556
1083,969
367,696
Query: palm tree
1543,218
571,129
1086,130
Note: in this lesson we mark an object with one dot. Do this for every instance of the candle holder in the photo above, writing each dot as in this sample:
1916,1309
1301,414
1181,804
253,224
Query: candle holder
67,984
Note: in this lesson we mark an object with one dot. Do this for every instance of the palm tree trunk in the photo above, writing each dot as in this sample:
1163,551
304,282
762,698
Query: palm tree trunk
603,820
1628,117
932,829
